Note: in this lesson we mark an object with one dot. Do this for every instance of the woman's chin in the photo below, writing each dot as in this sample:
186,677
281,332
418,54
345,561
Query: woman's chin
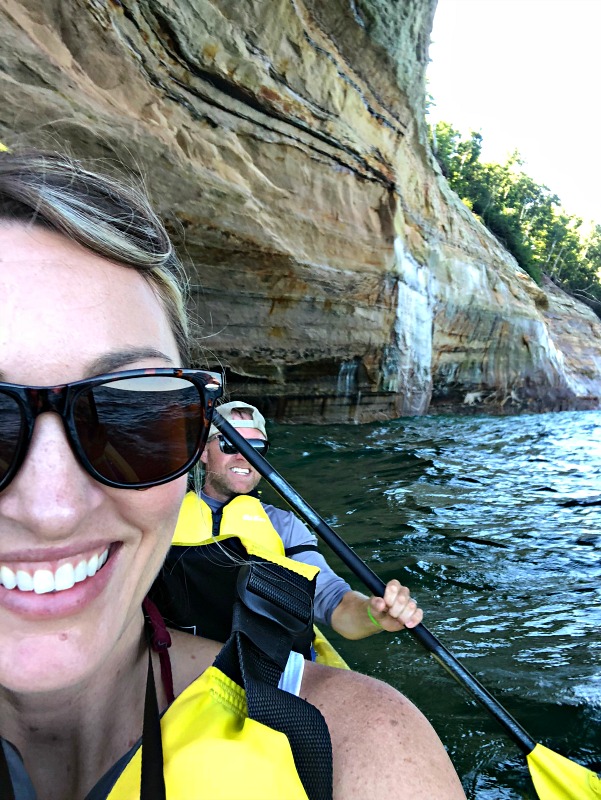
44,664
57,644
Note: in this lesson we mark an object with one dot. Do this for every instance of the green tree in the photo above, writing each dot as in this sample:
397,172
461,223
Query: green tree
526,217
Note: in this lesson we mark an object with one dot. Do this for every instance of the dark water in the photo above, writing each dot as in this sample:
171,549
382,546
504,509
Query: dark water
495,524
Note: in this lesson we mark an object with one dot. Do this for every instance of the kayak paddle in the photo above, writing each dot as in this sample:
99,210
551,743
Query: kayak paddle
555,777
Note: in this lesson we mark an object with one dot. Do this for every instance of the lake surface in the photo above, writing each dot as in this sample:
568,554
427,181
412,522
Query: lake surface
495,524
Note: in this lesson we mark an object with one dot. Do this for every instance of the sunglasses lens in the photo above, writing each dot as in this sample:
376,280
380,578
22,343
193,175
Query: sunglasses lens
226,447
12,431
140,430
260,445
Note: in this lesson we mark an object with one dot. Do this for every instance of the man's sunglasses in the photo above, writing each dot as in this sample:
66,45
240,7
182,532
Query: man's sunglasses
131,430
260,445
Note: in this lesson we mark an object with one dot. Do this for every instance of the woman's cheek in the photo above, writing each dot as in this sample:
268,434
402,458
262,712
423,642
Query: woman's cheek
154,511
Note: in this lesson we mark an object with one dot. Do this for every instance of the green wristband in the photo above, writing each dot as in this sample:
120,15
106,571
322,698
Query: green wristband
372,618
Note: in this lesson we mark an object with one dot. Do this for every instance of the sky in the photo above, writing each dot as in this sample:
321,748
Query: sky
526,74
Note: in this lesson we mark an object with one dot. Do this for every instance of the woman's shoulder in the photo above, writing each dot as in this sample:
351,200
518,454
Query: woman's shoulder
190,657
380,740
344,694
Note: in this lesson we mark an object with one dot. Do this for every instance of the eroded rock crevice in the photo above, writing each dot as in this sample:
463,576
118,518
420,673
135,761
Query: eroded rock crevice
335,276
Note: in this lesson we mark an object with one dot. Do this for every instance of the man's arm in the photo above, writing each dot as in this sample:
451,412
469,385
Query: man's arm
301,544
393,612
336,604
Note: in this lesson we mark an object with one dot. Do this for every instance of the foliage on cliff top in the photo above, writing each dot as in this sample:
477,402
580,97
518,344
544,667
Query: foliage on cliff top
524,216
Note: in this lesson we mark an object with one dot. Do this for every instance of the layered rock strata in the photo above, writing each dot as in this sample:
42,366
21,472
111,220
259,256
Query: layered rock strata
334,274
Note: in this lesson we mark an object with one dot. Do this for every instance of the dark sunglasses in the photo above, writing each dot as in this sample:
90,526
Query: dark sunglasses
131,430
260,445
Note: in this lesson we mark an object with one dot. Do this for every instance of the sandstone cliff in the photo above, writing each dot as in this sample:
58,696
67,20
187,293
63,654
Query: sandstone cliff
335,274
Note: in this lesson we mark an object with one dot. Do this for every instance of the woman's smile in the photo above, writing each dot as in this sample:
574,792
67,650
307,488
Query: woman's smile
56,587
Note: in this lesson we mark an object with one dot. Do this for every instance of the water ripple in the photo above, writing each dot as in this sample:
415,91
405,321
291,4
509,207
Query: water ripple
495,525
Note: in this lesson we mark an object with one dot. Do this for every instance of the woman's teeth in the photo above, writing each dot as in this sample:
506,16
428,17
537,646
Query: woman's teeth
44,580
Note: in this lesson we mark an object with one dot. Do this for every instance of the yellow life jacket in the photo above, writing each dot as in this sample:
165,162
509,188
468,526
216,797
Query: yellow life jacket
244,517
196,588
212,751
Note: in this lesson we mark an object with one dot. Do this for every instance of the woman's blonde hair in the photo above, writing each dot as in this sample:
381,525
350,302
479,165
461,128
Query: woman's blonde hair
111,218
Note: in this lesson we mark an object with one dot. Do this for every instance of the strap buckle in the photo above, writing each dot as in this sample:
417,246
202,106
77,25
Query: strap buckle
274,593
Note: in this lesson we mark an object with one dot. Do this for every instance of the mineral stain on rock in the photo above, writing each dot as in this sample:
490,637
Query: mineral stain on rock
285,143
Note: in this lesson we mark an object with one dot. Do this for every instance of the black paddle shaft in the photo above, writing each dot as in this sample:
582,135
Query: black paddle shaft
375,585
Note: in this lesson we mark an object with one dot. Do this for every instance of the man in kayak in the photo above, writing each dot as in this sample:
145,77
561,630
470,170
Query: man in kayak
228,475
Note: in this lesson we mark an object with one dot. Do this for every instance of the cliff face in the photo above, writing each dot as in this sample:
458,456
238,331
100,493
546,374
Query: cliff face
335,274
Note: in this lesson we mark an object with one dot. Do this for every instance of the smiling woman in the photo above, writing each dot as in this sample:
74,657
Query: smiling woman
96,403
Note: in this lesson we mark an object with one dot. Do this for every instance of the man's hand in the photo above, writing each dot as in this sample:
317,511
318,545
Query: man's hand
358,616
396,610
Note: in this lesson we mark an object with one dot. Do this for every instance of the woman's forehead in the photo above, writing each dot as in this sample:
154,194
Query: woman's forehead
62,306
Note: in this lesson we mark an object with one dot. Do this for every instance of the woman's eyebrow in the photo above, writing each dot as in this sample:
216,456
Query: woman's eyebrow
118,359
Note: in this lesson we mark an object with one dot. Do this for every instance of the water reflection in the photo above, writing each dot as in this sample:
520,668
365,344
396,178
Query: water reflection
495,524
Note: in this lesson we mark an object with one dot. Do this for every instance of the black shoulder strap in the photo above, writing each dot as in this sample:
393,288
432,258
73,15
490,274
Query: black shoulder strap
152,779
274,608
6,784
261,610
300,548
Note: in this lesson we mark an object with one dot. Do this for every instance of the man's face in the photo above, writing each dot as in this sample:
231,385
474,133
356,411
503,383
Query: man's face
229,475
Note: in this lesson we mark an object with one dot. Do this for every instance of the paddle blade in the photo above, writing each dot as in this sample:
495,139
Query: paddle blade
558,778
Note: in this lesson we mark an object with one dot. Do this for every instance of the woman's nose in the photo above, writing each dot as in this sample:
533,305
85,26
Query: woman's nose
51,495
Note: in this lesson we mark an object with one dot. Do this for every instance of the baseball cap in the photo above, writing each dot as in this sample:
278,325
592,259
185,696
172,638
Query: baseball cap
257,421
